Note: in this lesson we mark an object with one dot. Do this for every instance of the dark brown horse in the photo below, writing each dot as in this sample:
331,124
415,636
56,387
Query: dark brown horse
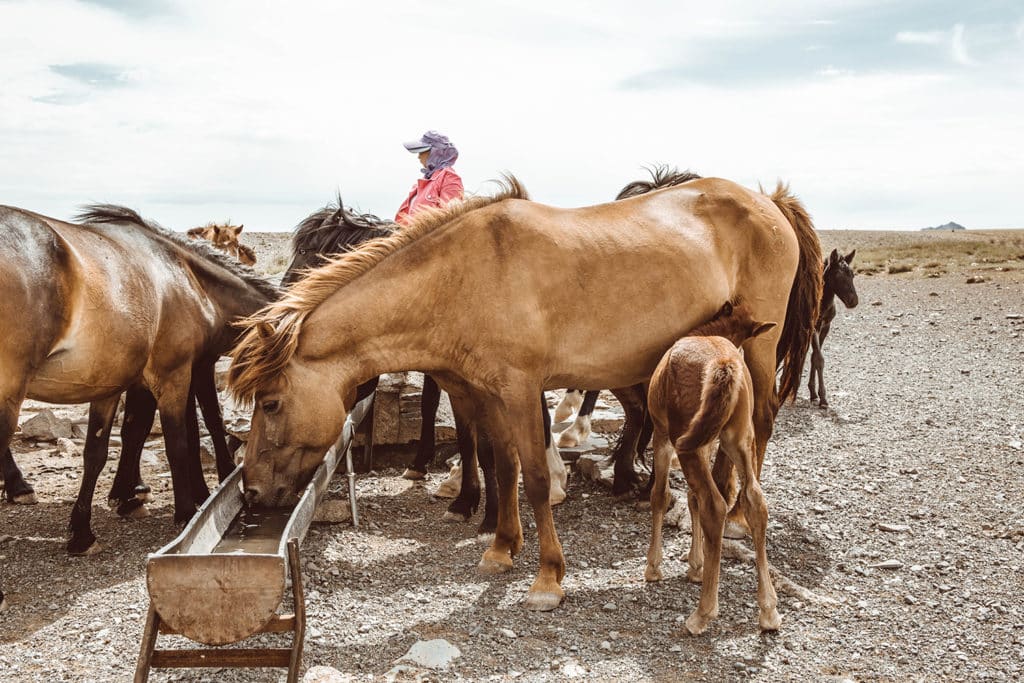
93,309
837,276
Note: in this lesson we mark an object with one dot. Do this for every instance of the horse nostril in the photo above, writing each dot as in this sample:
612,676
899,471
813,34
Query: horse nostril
251,494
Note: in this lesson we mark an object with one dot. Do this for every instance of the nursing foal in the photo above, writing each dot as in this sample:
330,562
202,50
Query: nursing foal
702,391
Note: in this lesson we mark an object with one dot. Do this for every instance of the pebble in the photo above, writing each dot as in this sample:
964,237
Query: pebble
431,654
894,528
610,607
605,645
887,564
508,633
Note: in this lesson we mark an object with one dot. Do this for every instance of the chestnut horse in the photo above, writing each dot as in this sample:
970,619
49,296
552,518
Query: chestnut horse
702,391
93,309
488,295
224,236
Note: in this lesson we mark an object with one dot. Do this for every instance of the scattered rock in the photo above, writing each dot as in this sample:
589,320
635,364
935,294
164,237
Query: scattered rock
610,607
68,448
45,426
431,654
887,564
508,633
892,528
333,511
974,279
326,674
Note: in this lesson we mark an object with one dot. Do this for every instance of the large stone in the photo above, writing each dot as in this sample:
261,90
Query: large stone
431,654
596,467
397,411
45,426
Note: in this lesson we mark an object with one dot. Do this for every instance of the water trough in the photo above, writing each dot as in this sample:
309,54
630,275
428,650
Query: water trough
224,577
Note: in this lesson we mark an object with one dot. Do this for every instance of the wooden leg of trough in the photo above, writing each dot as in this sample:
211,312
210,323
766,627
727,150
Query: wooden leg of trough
300,610
148,644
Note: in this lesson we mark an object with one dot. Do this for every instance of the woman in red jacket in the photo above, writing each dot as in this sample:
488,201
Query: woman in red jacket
440,183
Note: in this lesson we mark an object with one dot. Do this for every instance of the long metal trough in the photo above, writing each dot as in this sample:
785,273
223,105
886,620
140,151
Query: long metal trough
224,577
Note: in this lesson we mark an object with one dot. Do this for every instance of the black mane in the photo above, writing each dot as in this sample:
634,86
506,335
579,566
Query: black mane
113,214
334,229
661,176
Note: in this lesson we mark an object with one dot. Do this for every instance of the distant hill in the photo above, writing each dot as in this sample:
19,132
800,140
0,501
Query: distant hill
948,226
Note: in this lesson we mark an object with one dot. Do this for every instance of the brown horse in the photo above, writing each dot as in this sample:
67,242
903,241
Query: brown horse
488,295
224,236
90,310
702,391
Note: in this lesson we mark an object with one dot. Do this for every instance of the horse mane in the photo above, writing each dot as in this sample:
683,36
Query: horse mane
335,228
272,334
113,214
662,175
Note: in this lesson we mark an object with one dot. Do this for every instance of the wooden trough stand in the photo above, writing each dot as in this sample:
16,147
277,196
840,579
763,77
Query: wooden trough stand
223,578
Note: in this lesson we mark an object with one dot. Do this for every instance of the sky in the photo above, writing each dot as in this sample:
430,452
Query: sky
881,115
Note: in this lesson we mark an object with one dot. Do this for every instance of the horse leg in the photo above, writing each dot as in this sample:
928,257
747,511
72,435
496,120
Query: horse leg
197,482
660,496
16,489
569,404
466,503
204,384
760,361
579,431
101,416
815,352
429,401
633,403
139,409
711,511
485,454
556,467
508,532
740,448
173,406
514,427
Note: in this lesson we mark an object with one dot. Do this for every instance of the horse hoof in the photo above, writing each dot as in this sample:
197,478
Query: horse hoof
695,624
140,512
450,516
414,475
735,531
567,440
494,563
653,574
93,548
542,601
25,499
695,575
770,620
643,505
146,497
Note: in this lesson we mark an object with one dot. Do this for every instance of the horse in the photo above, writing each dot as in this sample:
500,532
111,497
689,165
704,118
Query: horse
521,274
838,281
335,229
701,391
110,303
224,236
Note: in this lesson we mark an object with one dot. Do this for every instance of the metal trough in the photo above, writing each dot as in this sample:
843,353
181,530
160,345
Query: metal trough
224,577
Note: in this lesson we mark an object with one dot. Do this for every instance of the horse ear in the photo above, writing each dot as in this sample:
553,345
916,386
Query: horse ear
237,229
761,328
849,257
834,256
725,311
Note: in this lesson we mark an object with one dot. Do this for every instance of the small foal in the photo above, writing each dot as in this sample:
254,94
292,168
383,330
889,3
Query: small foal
700,391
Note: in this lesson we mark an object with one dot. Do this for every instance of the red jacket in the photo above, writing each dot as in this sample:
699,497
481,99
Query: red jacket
441,188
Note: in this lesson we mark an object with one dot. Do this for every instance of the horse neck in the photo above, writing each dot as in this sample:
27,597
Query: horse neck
232,295
828,292
387,320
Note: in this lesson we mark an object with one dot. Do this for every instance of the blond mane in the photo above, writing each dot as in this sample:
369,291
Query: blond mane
272,334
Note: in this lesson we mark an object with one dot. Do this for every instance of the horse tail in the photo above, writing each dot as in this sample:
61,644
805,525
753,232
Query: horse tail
718,396
804,296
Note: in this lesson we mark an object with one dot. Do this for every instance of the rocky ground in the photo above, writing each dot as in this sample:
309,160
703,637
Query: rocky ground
896,529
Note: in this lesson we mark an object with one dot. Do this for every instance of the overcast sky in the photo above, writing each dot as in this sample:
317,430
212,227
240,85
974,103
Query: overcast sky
881,114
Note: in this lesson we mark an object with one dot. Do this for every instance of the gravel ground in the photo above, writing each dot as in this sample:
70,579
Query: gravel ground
917,466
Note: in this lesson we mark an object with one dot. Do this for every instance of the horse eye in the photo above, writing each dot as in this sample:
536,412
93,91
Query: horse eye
271,407
302,252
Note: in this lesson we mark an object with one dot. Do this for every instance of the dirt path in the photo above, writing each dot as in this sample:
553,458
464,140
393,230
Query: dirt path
920,463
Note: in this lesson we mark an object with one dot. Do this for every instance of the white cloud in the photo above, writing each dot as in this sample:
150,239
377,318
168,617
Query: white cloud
260,112
959,47
922,37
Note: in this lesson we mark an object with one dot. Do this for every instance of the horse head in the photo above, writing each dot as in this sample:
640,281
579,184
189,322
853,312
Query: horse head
838,277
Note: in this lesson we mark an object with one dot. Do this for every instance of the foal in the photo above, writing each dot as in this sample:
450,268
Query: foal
700,391
225,238
838,281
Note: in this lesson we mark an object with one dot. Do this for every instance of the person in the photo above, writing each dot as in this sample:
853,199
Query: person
440,183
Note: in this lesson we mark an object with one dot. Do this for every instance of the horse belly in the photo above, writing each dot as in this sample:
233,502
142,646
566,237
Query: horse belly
82,374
